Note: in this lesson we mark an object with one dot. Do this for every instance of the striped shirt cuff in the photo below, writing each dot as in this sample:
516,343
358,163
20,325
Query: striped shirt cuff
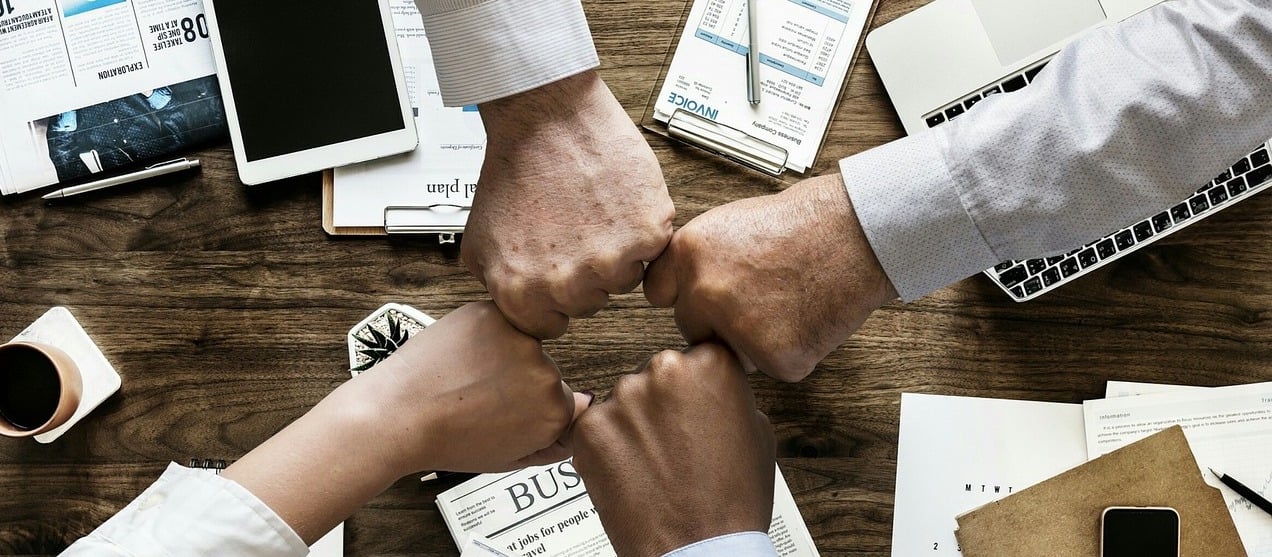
489,49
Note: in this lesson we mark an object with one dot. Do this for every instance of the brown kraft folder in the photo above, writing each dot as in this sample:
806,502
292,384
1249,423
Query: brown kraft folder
1061,516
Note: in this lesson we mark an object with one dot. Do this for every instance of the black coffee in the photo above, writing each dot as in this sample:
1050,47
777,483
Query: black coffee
29,387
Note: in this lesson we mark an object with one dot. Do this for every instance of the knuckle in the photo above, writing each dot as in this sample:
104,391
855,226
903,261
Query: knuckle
657,231
765,424
560,419
785,372
714,355
627,386
590,424
507,287
583,303
665,361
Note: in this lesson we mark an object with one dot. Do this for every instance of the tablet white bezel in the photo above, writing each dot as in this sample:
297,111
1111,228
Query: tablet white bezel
327,156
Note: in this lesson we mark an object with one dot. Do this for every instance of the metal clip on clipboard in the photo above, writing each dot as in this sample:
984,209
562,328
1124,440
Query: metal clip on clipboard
427,219
727,141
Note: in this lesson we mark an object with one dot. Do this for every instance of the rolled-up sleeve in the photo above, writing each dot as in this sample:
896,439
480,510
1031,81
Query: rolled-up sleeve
192,513
1120,125
489,49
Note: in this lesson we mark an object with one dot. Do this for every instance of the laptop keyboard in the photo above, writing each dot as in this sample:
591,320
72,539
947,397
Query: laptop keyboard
1030,278
1011,83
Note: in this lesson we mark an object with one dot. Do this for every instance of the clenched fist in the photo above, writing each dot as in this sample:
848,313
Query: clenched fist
782,279
677,454
570,204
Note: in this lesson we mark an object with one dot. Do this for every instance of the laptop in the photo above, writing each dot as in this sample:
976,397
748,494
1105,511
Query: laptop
938,61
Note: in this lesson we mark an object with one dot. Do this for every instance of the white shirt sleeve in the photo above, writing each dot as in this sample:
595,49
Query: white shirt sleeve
742,544
489,49
192,513
1120,125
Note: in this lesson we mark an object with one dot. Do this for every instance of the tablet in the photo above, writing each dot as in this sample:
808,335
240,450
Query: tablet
309,85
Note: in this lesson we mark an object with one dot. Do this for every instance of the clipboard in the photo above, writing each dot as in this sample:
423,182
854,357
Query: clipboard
698,129
398,219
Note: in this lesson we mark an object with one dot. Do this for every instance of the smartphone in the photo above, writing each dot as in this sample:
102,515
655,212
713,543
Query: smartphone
1139,532
309,85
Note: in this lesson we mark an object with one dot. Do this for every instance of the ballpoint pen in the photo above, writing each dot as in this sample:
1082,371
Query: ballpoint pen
149,172
1251,495
752,56
434,476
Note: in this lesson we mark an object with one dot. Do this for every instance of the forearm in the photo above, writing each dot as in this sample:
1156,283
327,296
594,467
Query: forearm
320,469
1121,124
490,49
539,118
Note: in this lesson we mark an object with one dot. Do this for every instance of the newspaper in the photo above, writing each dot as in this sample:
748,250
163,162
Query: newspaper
91,85
544,511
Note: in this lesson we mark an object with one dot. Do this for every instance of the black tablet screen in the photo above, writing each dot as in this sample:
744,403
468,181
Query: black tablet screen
306,74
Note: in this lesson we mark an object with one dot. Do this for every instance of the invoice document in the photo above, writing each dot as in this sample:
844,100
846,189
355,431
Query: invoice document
958,453
1228,428
805,49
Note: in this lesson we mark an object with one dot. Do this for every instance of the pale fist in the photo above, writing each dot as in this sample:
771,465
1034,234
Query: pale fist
677,454
570,205
474,394
782,279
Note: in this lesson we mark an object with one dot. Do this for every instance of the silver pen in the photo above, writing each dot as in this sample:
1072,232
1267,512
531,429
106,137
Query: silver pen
149,172
752,56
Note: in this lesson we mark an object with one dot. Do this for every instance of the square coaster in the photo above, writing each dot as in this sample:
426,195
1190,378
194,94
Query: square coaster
57,327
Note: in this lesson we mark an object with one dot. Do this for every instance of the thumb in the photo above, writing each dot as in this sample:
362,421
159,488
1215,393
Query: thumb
660,279
560,449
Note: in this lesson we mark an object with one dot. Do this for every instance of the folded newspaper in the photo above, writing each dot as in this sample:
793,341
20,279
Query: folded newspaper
91,85
544,511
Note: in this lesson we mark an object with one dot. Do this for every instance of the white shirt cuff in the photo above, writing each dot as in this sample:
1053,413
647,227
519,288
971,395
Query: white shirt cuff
741,544
913,215
193,513
489,49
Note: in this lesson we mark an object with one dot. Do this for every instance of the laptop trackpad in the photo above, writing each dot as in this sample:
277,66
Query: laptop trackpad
1018,28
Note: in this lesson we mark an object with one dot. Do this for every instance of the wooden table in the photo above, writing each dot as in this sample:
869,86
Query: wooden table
224,309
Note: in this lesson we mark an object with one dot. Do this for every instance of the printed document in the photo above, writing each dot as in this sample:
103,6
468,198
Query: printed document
544,511
805,50
90,85
1228,428
442,172
1114,389
958,453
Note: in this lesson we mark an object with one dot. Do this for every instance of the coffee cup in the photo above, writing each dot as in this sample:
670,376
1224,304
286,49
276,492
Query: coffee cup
40,388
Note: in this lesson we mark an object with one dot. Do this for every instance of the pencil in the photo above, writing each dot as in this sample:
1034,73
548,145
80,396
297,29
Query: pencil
1244,491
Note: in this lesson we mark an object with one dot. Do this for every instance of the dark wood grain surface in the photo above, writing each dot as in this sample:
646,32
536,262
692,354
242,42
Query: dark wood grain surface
224,309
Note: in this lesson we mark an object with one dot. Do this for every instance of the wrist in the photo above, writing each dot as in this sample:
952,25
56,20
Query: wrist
564,98
388,430
671,541
553,126
836,222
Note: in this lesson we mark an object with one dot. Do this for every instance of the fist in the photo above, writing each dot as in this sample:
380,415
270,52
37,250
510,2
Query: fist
571,203
677,454
473,394
782,279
